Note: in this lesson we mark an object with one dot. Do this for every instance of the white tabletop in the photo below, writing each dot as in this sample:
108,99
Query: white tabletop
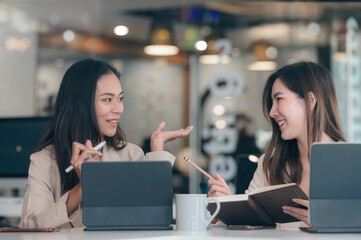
215,233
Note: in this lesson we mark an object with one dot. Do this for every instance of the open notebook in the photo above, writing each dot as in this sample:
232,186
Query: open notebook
263,206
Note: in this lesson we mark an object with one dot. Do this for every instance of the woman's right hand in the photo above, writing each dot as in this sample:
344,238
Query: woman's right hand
219,187
87,154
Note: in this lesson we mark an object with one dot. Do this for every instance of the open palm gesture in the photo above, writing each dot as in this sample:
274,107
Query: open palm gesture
159,137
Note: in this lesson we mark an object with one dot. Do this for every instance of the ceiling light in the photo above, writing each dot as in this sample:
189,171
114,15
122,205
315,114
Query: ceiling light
213,53
161,50
214,59
20,45
253,158
121,30
201,45
161,43
220,124
271,52
69,35
262,66
264,54
219,110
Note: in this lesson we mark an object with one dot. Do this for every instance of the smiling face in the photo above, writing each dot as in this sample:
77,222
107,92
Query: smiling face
108,104
289,112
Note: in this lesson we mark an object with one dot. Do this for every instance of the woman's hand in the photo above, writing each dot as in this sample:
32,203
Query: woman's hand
159,138
219,187
87,154
77,159
299,213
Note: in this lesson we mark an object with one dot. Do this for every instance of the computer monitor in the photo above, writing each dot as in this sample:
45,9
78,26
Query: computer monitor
18,138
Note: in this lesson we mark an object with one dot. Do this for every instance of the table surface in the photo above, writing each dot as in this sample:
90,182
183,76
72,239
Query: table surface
215,233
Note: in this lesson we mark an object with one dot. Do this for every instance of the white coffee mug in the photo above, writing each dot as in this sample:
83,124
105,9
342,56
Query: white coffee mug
191,212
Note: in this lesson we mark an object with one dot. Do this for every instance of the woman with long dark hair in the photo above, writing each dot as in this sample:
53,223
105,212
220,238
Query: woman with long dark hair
299,101
87,111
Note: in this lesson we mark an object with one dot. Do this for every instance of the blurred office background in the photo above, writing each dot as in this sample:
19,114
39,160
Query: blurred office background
199,62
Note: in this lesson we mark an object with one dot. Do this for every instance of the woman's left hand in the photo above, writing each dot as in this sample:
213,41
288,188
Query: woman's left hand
299,213
159,138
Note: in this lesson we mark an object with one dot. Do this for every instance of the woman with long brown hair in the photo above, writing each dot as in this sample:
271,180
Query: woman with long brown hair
87,112
299,101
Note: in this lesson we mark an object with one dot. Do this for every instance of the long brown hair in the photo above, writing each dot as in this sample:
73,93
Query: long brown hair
282,159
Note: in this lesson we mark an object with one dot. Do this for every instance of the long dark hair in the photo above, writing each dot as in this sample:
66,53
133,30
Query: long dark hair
301,78
74,118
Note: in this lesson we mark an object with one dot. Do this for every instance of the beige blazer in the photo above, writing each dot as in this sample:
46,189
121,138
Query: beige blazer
44,206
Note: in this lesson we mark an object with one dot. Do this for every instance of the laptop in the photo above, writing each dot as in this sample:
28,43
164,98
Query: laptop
335,188
127,195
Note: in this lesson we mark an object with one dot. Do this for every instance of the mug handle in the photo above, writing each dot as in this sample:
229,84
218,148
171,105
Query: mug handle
215,212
